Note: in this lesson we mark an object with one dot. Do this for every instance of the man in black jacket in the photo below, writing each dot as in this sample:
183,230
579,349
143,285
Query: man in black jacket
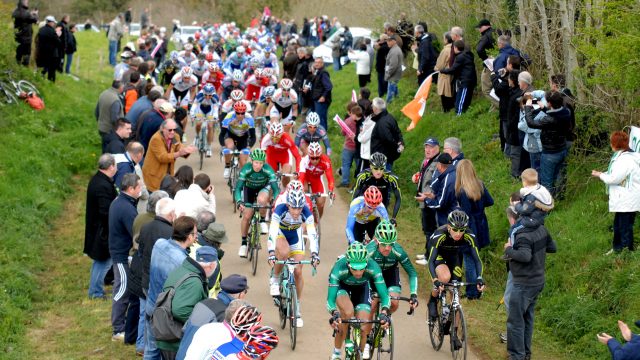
464,76
386,137
526,256
23,21
100,193
48,48
427,55
321,87
485,43
382,49
500,83
301,77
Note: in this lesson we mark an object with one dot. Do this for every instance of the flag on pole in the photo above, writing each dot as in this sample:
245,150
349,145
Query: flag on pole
354,97
414,110
343,126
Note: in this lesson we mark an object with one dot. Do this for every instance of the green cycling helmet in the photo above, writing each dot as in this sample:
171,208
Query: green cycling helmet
258,155
386,233
357,256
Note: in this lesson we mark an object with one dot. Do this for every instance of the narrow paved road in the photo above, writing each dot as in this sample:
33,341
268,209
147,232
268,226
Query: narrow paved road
314,339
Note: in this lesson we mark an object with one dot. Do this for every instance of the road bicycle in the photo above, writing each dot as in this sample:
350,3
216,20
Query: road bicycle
316,214
11,90
201,139
234,172
287,302
352,348
380,339
450,321
253,237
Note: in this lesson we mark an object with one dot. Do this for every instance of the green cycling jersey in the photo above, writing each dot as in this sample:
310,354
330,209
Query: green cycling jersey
340,274
256,180
397,255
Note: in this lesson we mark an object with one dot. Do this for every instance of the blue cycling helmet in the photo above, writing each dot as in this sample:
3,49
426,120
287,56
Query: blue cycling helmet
269,91
209,89
295,198
174,55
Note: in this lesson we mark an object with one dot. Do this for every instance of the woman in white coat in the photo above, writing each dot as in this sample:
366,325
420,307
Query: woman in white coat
363,64
365,142
623,185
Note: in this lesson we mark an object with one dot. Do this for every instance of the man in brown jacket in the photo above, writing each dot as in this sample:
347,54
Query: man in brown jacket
164,148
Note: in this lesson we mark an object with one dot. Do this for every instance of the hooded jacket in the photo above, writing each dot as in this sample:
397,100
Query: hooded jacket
23,21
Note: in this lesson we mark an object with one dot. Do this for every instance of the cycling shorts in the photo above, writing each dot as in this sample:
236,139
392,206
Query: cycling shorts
241,142
360,295
294,239
250,195
369,228
278,159
454,263
391,279
317,186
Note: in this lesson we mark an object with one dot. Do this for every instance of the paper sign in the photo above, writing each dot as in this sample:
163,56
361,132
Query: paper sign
634,139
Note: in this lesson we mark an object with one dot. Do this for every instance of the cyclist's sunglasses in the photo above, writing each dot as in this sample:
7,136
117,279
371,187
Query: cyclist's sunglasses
377,168
314,158
458,229
239,113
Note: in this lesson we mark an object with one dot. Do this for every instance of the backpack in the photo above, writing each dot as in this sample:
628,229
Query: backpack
33,100
525,59
163,325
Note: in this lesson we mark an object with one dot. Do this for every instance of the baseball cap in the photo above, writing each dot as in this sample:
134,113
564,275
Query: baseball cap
216,233
50,18
431,142
166,107
445,158
483,22
126,54
234,284
206,254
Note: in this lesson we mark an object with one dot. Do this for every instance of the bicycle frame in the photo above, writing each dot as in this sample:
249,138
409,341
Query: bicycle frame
288,301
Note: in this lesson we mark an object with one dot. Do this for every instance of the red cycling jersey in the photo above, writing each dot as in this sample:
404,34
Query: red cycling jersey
311,172
278,153
212,78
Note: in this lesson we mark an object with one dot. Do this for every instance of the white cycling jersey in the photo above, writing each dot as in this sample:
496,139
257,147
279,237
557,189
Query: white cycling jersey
181,84
188,58
199,68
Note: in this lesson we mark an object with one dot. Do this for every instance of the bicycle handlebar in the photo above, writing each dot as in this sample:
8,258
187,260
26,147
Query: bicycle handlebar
298,262
400,298
314,196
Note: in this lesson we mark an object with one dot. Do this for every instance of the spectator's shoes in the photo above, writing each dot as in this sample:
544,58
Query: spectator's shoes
118,337
503,337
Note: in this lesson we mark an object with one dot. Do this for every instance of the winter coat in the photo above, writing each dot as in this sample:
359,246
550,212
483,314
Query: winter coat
159,160
623,182
531,143
501,60
426,55
444,189
477,218
322,86
512,137
48,46
393,64
444,80
365,138
555,126
122,212
386,135
100,193
381,57
361,58
463,70
485,43
23,22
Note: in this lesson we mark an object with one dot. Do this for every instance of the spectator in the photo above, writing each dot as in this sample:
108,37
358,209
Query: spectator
335,51
123,66
531,143
108,111
453,147
164,148
558,83
350,150
145,19
364,102
23,21
214,235
127,17
131,91
371,52
48,45
290,62
393,67
445,81
71,47
464,76
382,50
150,121
146,217
363,68
423,180
303,71
114,35
364,138
623,184
193,275
555,126
442,197
198,197
141,105
386,137
486,43
167,255
100,193
426,53
127,160
628,351
122,212
502,89
118,136
321,91
505,50
473,197
526,256
513,145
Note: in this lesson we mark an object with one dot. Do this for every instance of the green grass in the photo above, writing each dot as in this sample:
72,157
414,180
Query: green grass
585,292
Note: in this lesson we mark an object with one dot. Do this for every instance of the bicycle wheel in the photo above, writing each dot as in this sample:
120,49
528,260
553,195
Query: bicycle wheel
250,242
27,87
6,96
459,330
318,227
254,248
282,305
436,331
293,312
357,352
384,342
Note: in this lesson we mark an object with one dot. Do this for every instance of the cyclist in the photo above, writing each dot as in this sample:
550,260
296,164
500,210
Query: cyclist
269,60
285,104
214,77
187,54
285,241
168,71
238,133
293,185
265,102
445,257
348,294
253,185
385,181
176,60
280,147
388,254
205,107
235,96
233,82
182,89
199,66
237,60
365,212
312,131
312,167
255,83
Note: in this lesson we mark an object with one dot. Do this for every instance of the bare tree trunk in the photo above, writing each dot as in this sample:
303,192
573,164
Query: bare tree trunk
567,14
522,20
544,30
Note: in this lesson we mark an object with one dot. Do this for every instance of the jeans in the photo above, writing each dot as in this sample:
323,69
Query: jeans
99,270
382,84
337,66
322,108
623,230
67,66
508,288
535,161
348,156
120,301
470,274
392,91
522,304
151,351
550,164
113,49
131,334
389,165
141,327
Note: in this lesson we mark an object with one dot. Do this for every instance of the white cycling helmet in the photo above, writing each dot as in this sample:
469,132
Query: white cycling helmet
174,55
276,129
267,72
286,84
236,95
240,49
313,119
314,149
258,72
188,47
237,75
214,67
187,71
295,185
295,198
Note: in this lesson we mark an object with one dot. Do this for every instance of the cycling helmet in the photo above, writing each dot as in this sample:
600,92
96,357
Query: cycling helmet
261,340
258,155
188,47
286,84
240,50
209,89
197,35
244,318
268,72
236,95
213,67
237,75
276,129
295,185
458,219
268,91
372,196
209,57
267,49
314,149
254,62
174,55
187,71
378,160
240,107
296,199
357,256
202,56
258,73
313,119
386,233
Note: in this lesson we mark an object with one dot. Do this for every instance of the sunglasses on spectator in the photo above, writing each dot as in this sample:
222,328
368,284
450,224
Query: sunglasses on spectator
170,130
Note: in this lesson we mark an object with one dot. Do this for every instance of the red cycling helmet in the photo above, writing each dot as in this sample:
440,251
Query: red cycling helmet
372,196
261,340
209,57
240,107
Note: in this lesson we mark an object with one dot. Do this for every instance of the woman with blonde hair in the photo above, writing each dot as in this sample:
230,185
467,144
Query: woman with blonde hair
473,197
